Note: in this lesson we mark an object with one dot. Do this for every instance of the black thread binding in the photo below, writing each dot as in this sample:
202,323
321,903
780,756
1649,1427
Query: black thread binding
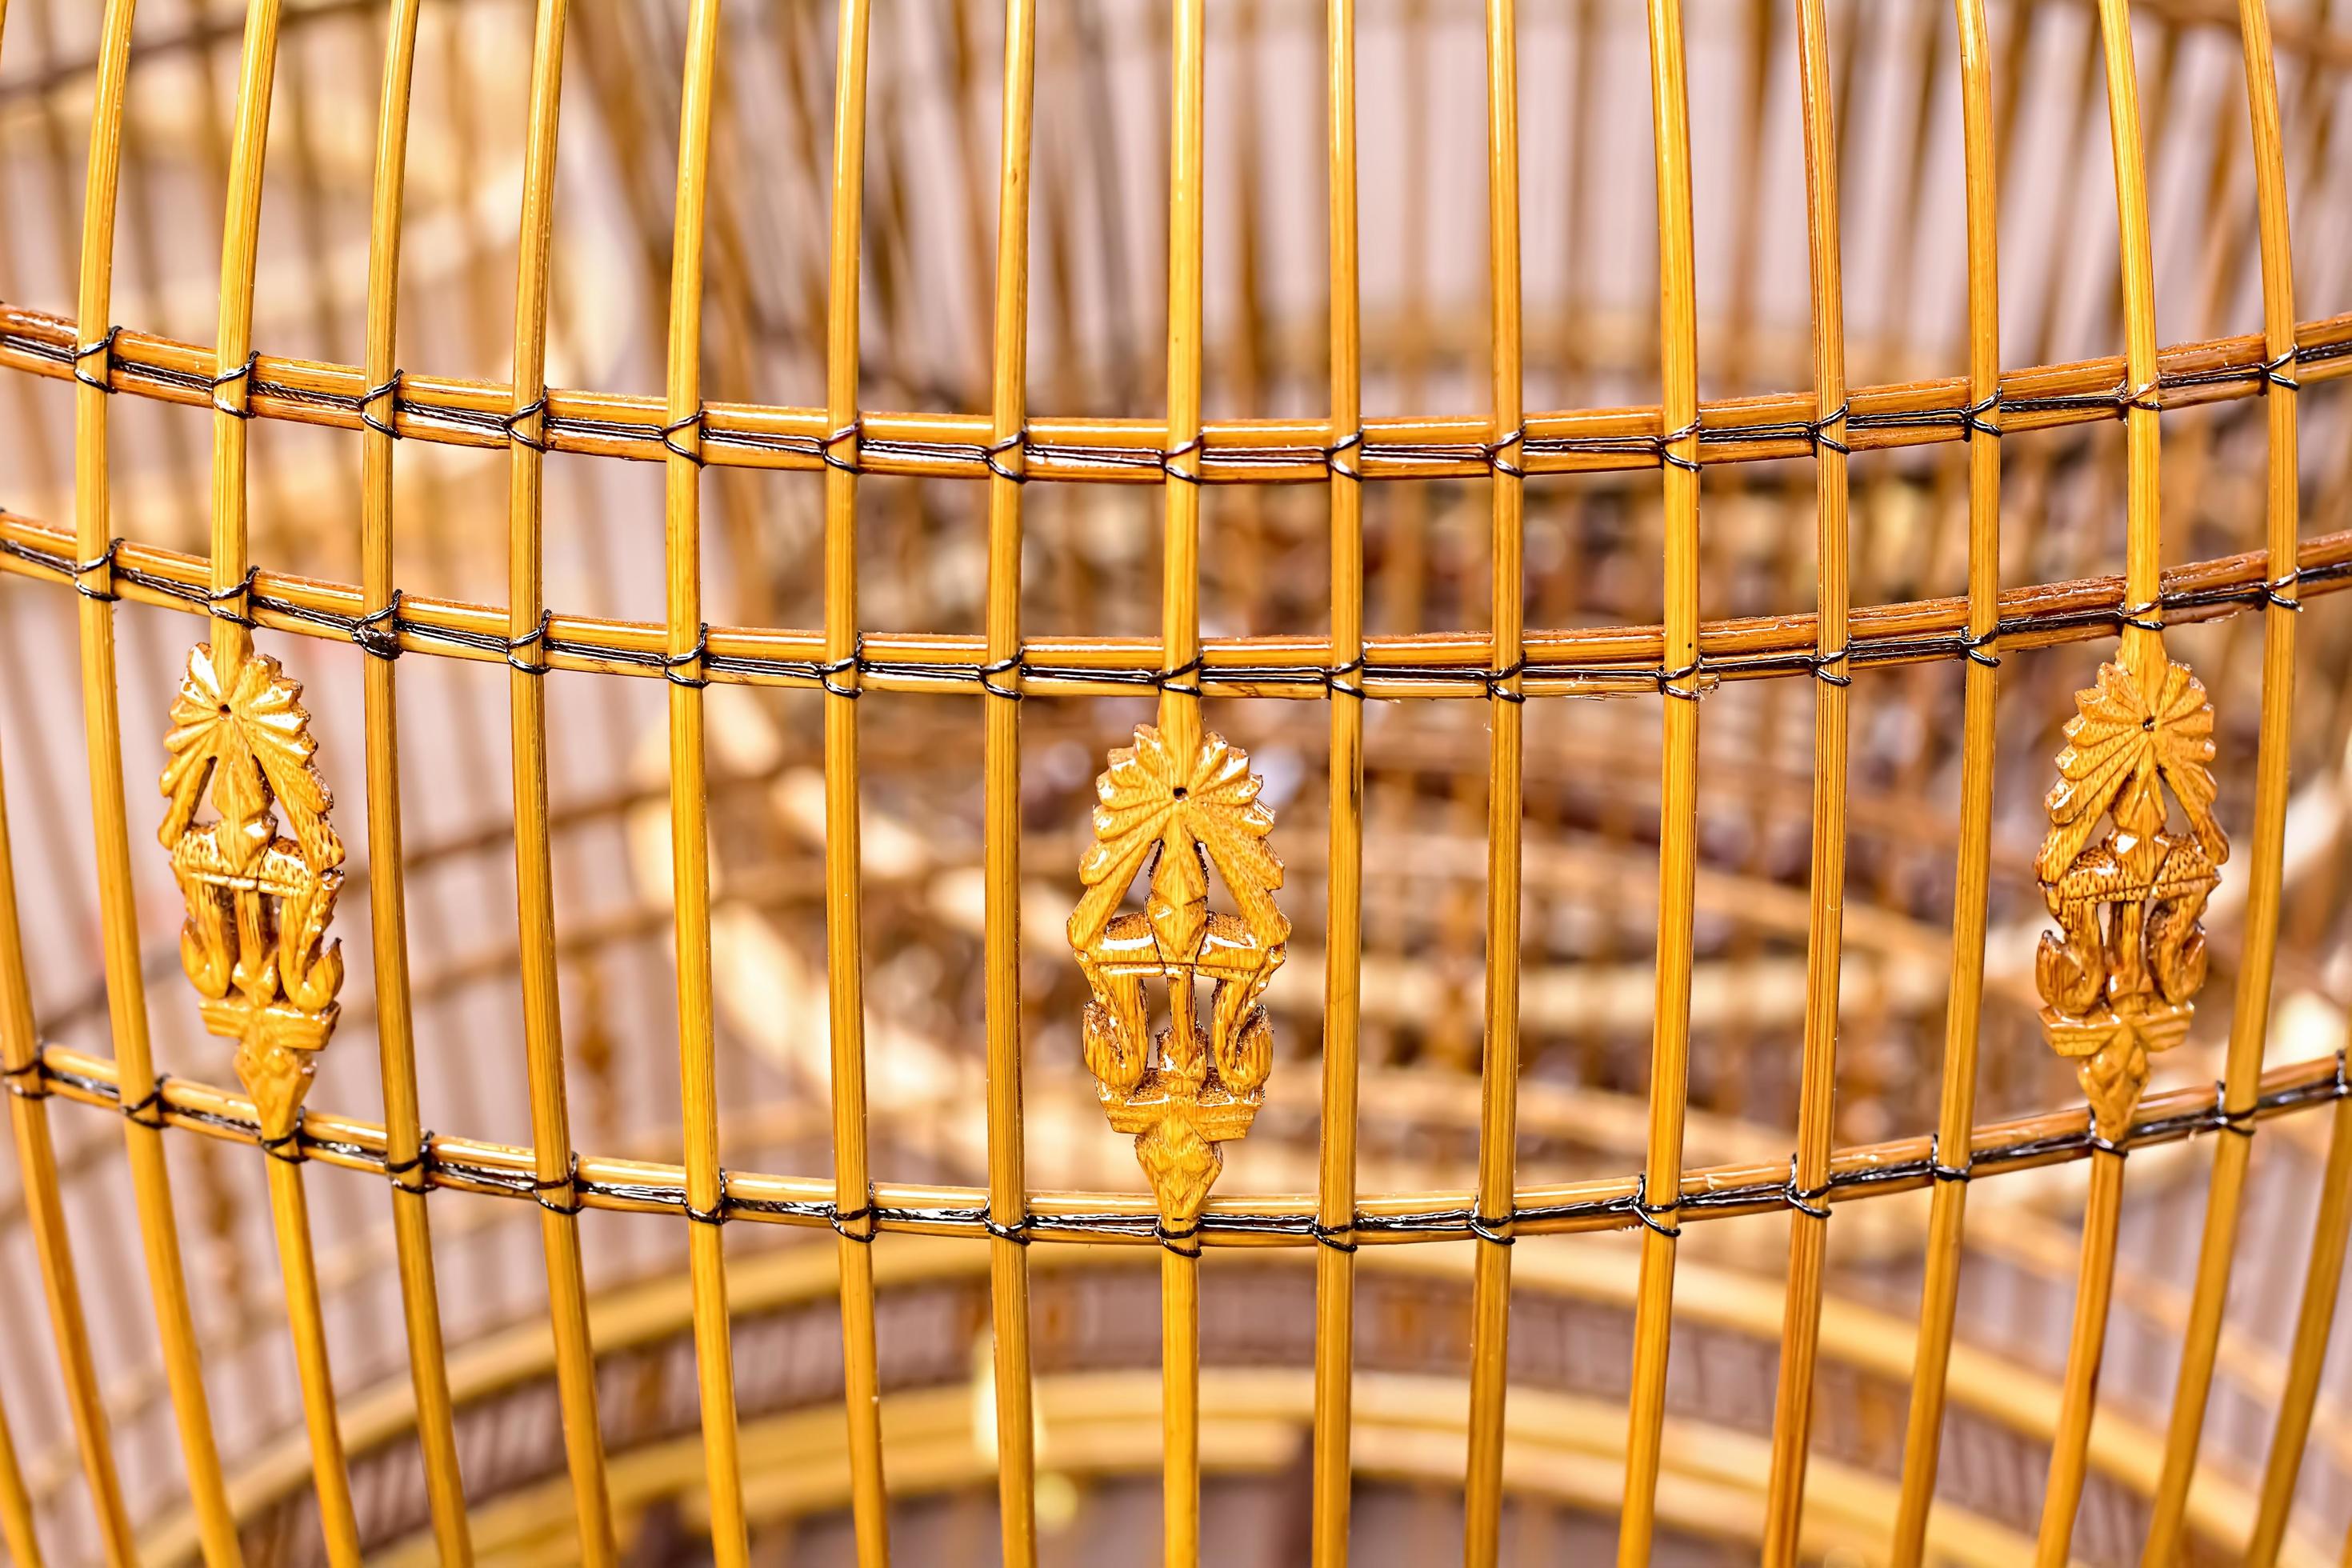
693,422
1667,679
1973,647
1335,679
375,394
103,351
1811,1202
854,664
535,638
688,668
1017,1232
2240,1121
1973,422
223,600
1666,453
82,569
852,431
1487,1228
2139,615
148,1110
988,672
1496,678
1192,475
36,1072
1016,442
419,1163
1338,1238
717,1212
1657,1217
1817,431
2147,398
2271,594
1184,1243
279,1148
1491,451
1935,1166
1352,442
1183,680
535,409
2274,372
378,631
242,372
841,1219
1822,663
567,1184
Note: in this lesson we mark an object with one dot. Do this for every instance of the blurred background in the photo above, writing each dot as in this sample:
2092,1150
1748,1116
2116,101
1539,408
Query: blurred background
1091,568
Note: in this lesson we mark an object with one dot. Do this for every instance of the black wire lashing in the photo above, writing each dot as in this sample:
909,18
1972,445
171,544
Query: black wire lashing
851,431
2274,372
1193,449
2271,594
82,569
535,638
841,1219
291,1139
35,1071
1973,422
148,1110
690,668
1935,1166
854,663
1184,1242
1668,678
1811,1202
242,372
1817,431
1335,681
102,350
1495,680
567,1184
1351,442
2139,616
993,454
717,1212
1973,647
235,603
1668,456
390,391
694,422
1491,451
995,667
378,632
419,1163
1656,1216
1823,667
1017,1232
1184,680
536,439
1488,1228
1338,1238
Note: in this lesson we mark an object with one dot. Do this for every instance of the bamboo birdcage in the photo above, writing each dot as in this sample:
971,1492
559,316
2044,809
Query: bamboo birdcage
779,1201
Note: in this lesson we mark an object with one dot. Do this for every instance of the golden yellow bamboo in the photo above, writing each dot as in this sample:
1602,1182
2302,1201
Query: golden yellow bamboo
101,717
689,809
396,1030
1679,800
1792,1417
2258,952
1947,1208
15,1504
551,1122
844,900
2314,1320
1335,1263
1008,1200
1490,1306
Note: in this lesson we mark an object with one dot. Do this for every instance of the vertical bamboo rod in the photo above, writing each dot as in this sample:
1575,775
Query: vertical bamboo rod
1335,1261
2314,1320
689,805
102,724
16,1505
232,644
1817,1103
404,1147
551,1122
1180,722
1948,1207
2140,643
1008,1199
1662,1170
1490,1302
2250,1019
844,902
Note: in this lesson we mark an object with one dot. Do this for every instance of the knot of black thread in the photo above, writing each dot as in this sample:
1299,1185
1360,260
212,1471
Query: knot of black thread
1495,680
535,440
536,638
993,455
234,603
101,351
1668,456
2240,1120
995,667
1184,1242
1351,442
103,560
1183,680
1491,451
717,1212
1488,1228
831,459
1935,1166
841,1219
1824,666
287,1147
2141,616
34,1072
567,1184
148,1110
1974,645
2274,372
242,372
1338,1238
849,664
390,391
378,631
1811,1202
1018,1233
1656,1216
1817,431
687,668
1192,449
1335,681
1973,422
694,422
419,1164
2271,594
2148,397
1668,678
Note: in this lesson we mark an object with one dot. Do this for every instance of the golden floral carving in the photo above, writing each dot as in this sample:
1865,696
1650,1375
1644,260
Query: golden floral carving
259,902
1184,1090
2119,978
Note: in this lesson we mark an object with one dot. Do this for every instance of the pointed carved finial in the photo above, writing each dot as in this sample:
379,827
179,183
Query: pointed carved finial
254,943
1185,1091
2119,978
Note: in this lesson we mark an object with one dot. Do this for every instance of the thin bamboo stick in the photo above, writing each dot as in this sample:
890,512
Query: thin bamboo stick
2141,644
231,644
388,905
1008,1200
1817,1104
2250,1019
1490,1302
844,896
1947,1208
16,1505
689,809
1679,794
551,1125
102,724
1335,1262
2314,1320
1180,720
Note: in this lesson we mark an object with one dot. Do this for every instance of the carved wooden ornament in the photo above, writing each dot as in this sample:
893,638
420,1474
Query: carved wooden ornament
2118,980
258,903
1182,1092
